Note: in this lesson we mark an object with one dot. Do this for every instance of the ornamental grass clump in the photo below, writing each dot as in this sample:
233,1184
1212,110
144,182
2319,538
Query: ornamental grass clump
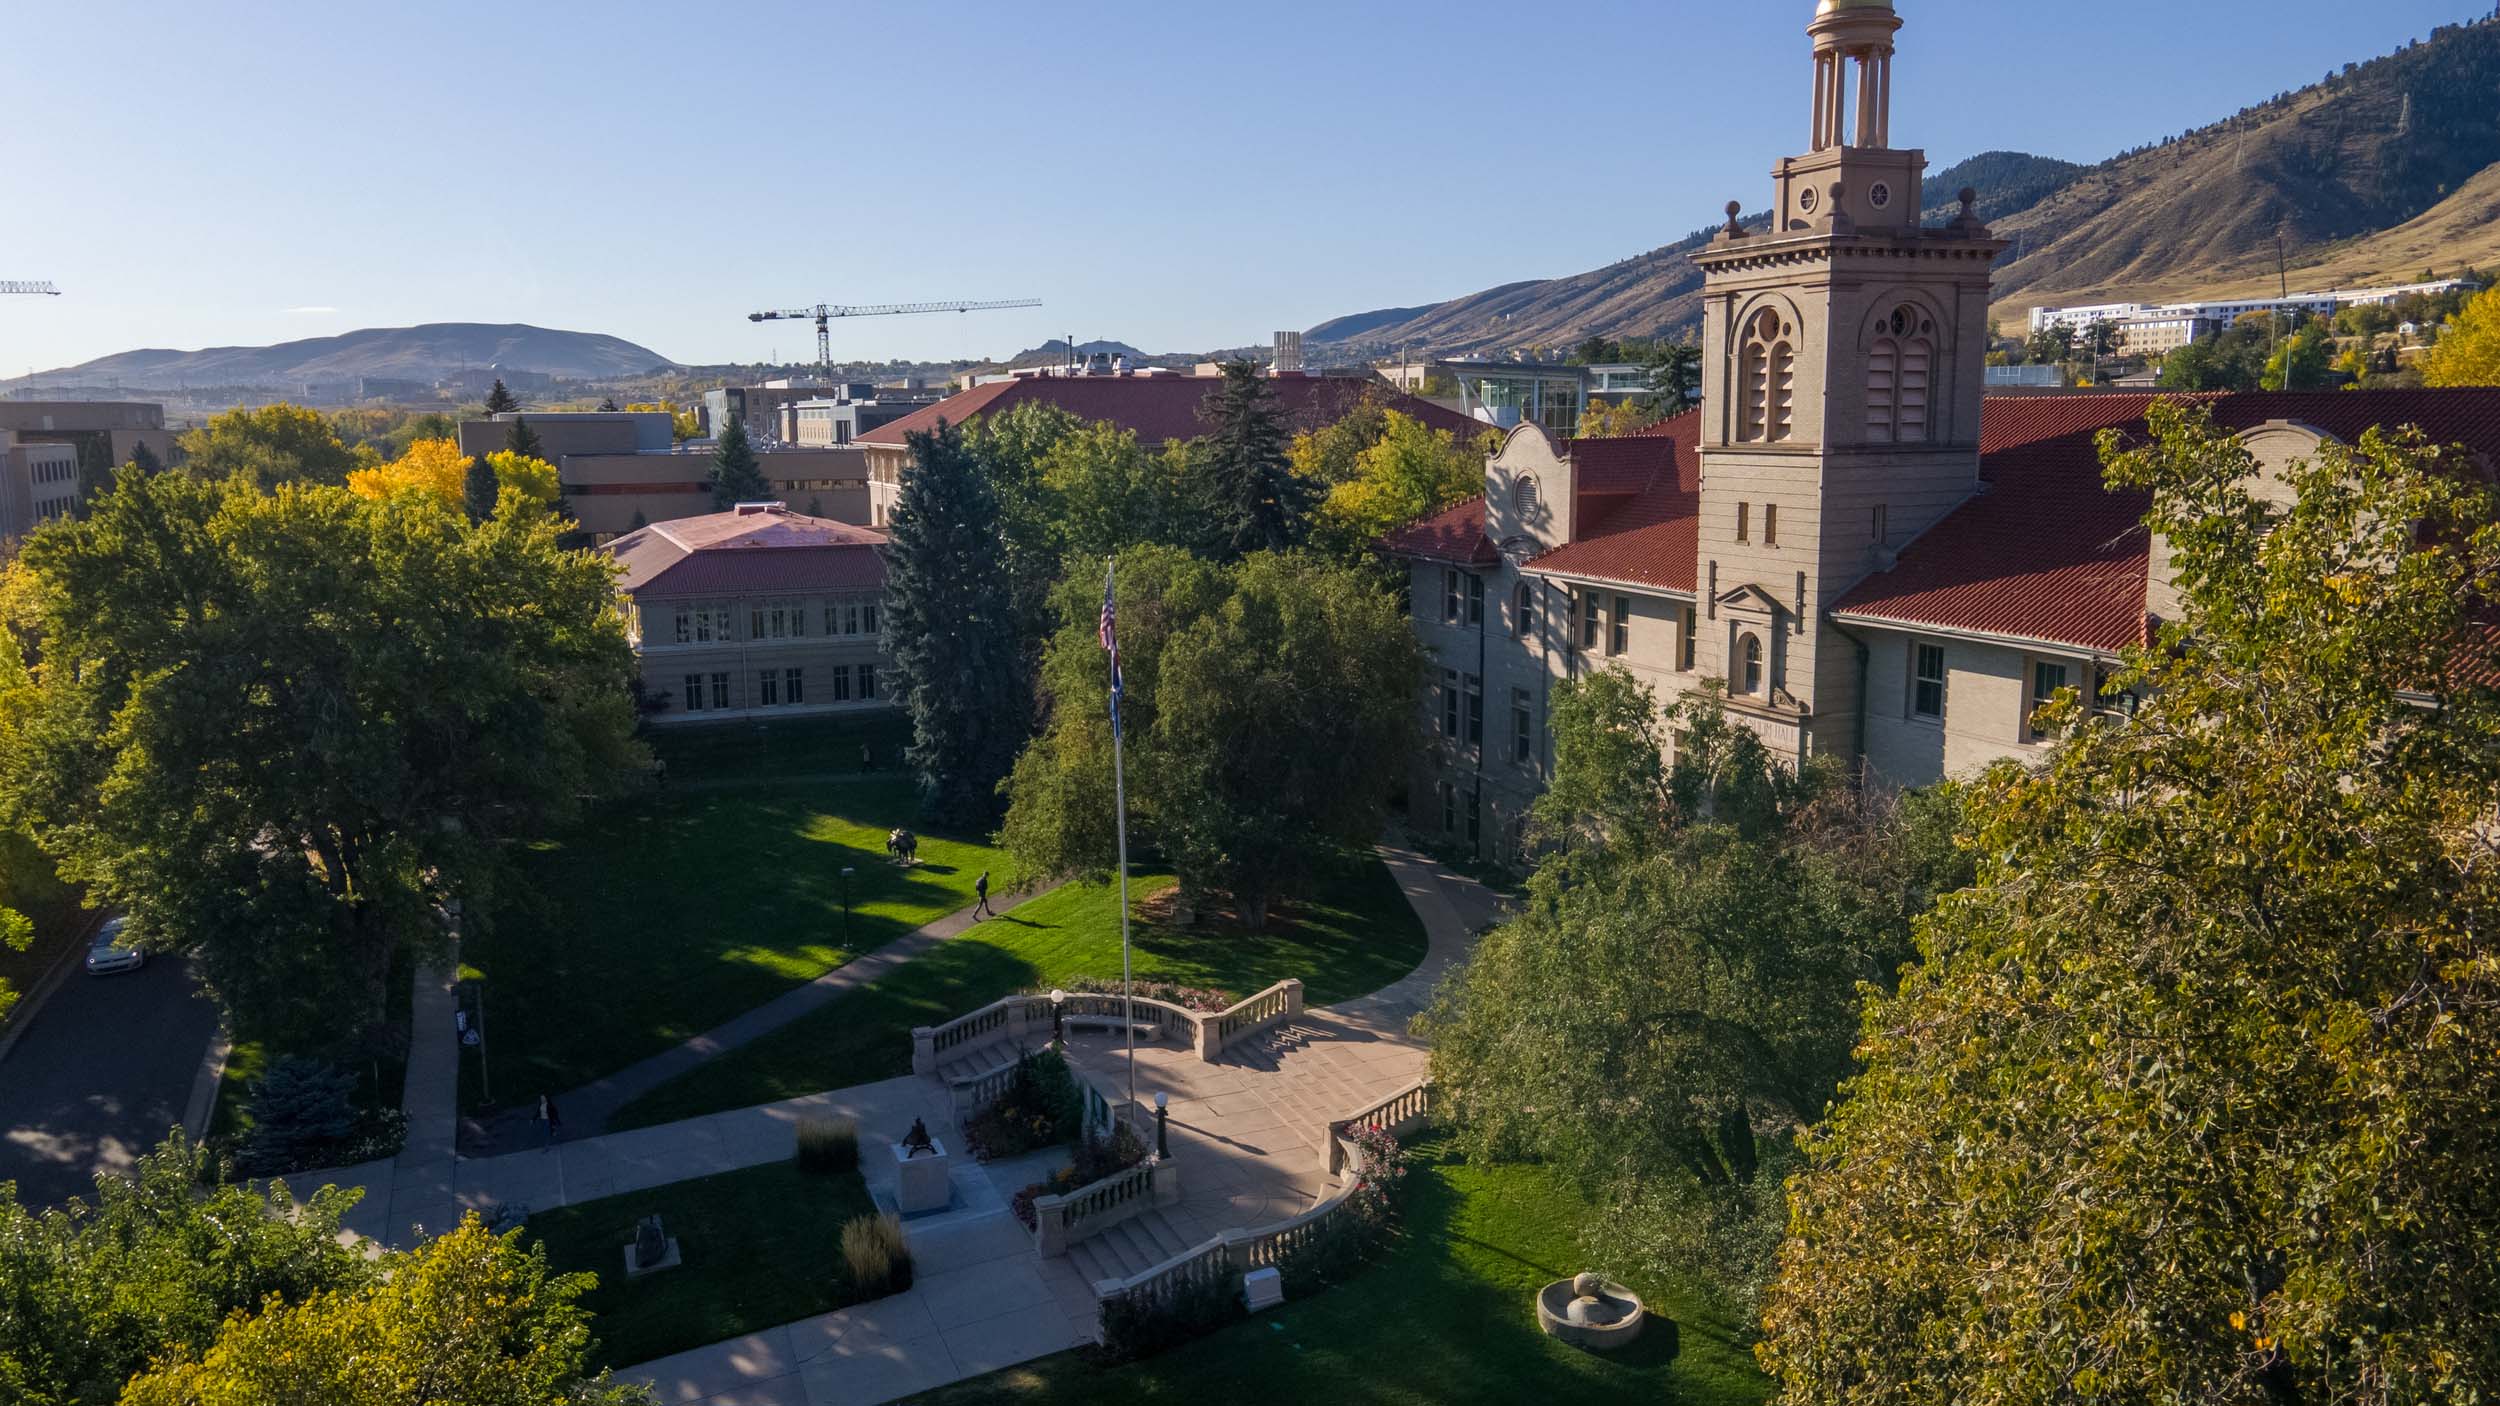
874,1252
828,1146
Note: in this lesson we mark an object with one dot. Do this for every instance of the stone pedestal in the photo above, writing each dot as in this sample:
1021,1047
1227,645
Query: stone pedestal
920,1183
1262,1289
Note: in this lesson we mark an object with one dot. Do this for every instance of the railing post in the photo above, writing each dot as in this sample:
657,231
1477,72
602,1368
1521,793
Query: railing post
923,1049
1165,1177
1237,1250
1293,997
1050,1225
1210,1038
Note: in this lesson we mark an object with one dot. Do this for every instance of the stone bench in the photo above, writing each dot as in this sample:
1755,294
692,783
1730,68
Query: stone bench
1146,1029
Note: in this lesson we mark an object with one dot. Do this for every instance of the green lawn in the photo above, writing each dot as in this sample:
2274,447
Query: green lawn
1445,1317
679,909
795,747
762,1247
1355,936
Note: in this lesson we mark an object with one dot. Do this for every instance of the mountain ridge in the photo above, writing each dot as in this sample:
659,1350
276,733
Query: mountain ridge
426,351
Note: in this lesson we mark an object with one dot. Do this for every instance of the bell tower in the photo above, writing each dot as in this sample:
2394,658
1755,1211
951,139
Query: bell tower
1841,383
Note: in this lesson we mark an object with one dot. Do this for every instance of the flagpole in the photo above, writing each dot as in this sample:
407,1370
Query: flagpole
1119,801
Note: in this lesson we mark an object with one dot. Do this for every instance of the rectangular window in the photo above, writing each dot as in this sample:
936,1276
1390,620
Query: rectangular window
1449,808
703,626
755,624
1475,818
2046,680
1688,639
685,625
1475,600
1744,522
1522,728
798,622
720,690
1621,639
1589,618
793,690
850,619
767,689
694,693
1449,596
867,682
1927,681
1475,711
868,618
720,623
1449,703
1770,524
841,684
1523,611
833,620
1881,528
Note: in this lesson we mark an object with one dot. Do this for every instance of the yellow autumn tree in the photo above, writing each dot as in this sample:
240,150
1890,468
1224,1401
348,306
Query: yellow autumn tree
1603,419
437,468
2468,353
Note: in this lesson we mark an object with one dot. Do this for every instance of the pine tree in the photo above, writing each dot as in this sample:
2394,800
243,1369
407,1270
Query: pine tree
479,490
607,404
523,440
959,659
640,522
1255,502
299,1109
500,400
736,477
145,461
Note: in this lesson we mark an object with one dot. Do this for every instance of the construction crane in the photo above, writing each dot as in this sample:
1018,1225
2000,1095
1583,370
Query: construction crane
825,313
8,285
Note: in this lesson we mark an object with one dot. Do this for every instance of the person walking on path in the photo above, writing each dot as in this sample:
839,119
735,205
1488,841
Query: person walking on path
547,1114
981,889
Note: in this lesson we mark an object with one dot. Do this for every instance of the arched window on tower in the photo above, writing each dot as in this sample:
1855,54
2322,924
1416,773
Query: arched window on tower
1751,658
1767,376
1900,368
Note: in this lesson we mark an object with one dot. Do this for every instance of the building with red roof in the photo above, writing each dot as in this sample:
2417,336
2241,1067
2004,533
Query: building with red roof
753,613
1869,556
1153,405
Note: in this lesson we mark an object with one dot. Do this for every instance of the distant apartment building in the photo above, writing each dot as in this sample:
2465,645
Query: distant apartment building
38,482
621,469
759,407
852,411
1503,395
759,612
2153,328
106,433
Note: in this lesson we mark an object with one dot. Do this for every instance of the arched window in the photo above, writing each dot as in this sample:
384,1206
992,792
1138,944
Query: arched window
1767,377
1523,495
1900,367
1750,656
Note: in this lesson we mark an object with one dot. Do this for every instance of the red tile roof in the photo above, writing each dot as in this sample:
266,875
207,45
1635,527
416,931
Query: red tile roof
2046,552
1157,408
1454,534
1640,507
749,552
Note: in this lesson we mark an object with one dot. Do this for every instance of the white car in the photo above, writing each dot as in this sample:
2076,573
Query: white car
107,954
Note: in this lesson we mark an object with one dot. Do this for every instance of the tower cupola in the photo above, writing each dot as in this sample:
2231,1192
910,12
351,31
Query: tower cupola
1846,33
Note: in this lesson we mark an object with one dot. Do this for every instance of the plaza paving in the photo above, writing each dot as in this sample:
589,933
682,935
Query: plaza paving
1245,1136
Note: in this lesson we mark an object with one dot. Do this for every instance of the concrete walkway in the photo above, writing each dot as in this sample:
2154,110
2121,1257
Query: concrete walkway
1245,1136
586,1110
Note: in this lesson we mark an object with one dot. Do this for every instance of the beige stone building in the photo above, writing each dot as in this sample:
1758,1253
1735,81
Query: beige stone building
39,481
621,469
759,612
1873,559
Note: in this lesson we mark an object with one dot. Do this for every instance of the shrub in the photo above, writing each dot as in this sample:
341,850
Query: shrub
1042,1106
828,1146
301,1110
1096,1159
1139,1325
1358,1232
879,1260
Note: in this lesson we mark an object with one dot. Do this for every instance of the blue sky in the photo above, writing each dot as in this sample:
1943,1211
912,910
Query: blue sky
1180,174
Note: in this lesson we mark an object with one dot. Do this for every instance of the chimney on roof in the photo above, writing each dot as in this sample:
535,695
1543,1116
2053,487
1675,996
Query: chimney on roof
751,509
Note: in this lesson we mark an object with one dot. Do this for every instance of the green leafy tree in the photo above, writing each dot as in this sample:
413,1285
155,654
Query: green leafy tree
954,630
272,445
736,476
523,440
278,730
1253,499
2188,1099
1414,470
479,490
2053,344
16,934
500,400
2302,362
1326,456
2468,353
93,1292
1681,992
1269,714
1013,449
1114,493
470,1317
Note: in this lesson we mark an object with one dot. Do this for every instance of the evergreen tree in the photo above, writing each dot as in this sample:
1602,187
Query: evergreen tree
500,400
523,440
1254,500
478,490
736,477
300,1108
145,459
607,404
640,522
958,657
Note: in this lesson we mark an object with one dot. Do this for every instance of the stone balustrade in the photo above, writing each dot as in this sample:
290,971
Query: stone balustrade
1401,1113
1020,1018
1062,1221
1274,1006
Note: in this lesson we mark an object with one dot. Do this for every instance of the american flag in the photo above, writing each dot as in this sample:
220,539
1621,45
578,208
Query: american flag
1111,644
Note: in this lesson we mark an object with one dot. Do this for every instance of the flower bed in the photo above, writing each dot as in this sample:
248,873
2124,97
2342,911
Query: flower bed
1096,1159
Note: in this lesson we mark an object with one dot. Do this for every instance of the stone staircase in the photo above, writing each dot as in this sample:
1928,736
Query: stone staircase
1269,1048
1136,1244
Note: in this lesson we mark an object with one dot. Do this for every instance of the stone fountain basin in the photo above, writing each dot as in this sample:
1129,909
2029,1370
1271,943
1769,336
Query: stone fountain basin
1612,1321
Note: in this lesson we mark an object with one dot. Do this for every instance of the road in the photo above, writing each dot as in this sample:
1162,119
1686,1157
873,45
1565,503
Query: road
104,1069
